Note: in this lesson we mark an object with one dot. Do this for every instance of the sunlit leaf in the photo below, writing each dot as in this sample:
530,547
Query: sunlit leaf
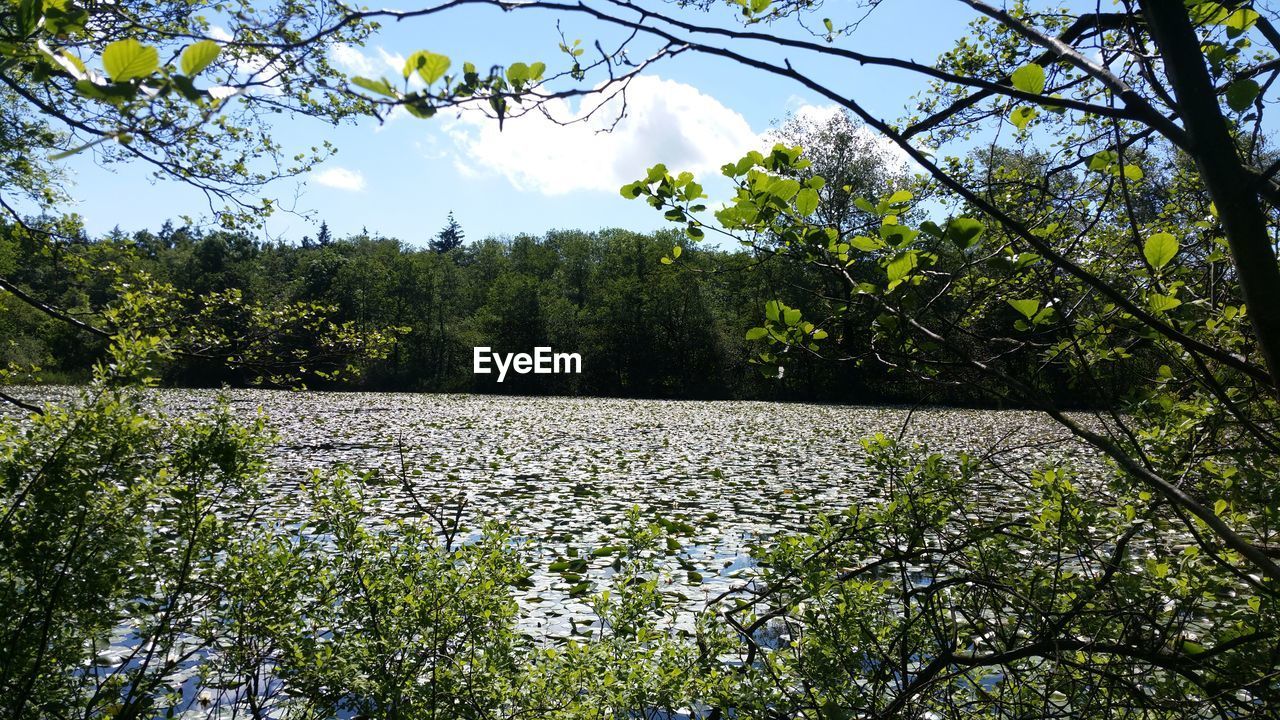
1029,78
129,59
198,56
1027,308
1160,249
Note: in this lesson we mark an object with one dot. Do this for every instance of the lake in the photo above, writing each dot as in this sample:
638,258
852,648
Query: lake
565,471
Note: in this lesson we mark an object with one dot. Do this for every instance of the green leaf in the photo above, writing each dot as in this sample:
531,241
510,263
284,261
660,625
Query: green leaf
1160,249
67,59
128,59
785,189
77,150
1028,308
28,15
1102,160
1240,21
898,235
1022,116
1162,303
902,265
1192,648
867,244
429,66
380,86
1207,13
773,310
675,251
1029,79
1133,173
964,232
198,56
517,72
1241,94
806,201
791,316
899,197
756,333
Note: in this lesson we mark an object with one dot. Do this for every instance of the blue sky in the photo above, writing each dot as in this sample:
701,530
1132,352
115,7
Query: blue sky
401,178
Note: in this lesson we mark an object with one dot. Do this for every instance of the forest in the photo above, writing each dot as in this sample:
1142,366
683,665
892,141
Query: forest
650,330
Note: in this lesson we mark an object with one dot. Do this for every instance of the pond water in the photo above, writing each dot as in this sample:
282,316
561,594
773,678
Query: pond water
565,471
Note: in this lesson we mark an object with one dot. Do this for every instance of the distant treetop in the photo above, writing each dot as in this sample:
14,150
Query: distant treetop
450,237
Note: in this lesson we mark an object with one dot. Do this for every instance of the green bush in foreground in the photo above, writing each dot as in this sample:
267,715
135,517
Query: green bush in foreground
1073,599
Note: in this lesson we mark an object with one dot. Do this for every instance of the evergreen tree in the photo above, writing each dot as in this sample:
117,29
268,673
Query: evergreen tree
448,238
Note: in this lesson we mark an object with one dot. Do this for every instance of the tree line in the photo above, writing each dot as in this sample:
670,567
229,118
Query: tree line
643,328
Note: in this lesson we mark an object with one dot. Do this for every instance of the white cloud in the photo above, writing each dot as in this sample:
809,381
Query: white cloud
350,60
340,178
254,67
353,61
666,121
395,61
819,115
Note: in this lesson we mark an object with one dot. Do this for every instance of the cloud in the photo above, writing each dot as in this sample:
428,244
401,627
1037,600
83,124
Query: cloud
251,66
395,61
666,121
350,60
353,61
340,178
894,157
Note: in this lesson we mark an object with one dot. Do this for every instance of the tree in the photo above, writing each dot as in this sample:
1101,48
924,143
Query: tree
853,161
1152,594
324,238
1079,277
449,237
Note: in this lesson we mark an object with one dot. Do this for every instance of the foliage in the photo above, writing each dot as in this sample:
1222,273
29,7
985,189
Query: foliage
1119,221
1089,265
450,236
110,519
184,88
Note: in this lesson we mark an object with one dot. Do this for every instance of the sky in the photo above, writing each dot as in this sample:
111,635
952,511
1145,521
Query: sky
402,177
